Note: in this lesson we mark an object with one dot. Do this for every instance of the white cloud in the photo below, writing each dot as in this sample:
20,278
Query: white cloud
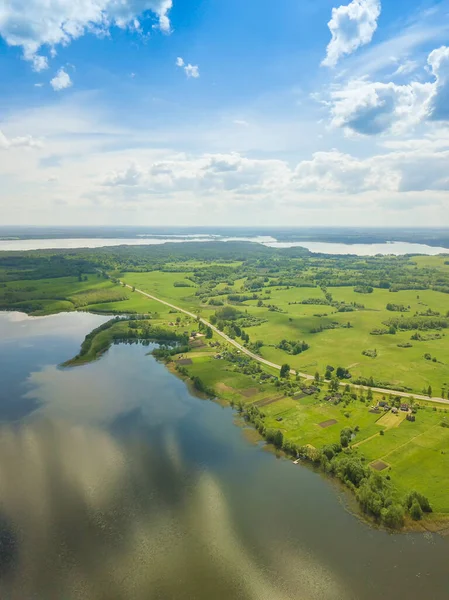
439,63
351,26
190,70
26,141
231,173
332,174
371,108
417,170
241,123
335,172
40,63
43,23
130,176
405,68
61,81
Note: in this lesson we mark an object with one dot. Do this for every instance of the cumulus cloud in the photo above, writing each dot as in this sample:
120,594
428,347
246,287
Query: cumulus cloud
130,176
205,174
418,170
61,80
335,172
26,141
351,26
328,174
371,108
439,64
44,23
190,70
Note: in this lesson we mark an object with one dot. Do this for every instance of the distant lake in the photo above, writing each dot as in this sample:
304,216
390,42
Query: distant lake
396,248
117,483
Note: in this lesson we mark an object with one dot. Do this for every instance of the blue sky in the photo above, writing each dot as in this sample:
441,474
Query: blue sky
224,112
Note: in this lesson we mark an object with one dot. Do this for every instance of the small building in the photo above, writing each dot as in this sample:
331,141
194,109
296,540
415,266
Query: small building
394,410
404,407
411,418
382,404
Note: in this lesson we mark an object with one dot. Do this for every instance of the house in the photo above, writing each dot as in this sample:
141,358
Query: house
394,410
404,407
382,404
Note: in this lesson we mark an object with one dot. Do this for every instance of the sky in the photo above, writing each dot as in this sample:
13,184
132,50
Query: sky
224,112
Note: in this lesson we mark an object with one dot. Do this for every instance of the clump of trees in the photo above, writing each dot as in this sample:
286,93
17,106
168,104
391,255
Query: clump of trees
397,307
285,371
370,353
419,323
293,347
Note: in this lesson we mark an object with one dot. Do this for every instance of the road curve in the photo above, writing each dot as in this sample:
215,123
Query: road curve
278,367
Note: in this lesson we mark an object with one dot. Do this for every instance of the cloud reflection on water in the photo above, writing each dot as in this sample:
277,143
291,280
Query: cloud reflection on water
92,517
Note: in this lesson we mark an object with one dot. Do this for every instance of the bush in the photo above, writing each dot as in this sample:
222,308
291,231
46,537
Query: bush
420,499
416,511
393,516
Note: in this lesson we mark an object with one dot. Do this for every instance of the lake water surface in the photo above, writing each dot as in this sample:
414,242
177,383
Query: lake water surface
117,483
396,248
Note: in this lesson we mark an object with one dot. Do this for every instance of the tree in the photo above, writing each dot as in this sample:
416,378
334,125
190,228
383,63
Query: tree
341,372
208,333
393,516
416,512
278,439
370,395
317,377
429,391
285,371
328,374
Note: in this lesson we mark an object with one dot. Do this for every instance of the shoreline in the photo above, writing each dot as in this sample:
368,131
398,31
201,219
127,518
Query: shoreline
438,523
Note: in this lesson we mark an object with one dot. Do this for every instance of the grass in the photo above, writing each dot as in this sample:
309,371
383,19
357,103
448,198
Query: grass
417,452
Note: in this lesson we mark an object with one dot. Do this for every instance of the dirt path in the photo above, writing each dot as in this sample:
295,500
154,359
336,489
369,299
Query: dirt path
278,367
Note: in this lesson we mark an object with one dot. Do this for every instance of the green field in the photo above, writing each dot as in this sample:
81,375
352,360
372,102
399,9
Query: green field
417,453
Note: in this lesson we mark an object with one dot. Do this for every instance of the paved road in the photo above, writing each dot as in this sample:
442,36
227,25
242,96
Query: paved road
278,367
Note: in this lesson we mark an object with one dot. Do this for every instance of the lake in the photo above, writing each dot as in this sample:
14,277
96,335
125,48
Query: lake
117,483
396,248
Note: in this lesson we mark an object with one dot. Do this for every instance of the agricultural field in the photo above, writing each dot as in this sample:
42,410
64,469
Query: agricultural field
413,454
339,324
